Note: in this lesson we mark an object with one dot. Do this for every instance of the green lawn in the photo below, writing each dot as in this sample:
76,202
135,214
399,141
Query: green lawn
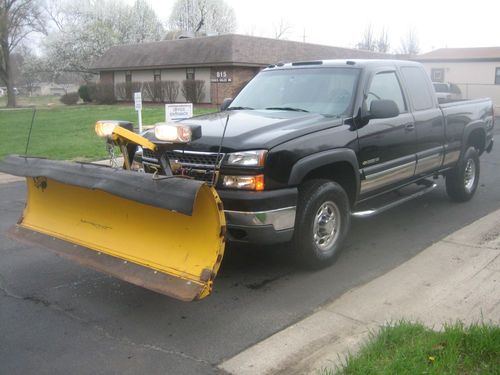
67,132
407,348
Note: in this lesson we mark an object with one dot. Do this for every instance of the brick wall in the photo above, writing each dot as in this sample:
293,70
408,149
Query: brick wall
225,82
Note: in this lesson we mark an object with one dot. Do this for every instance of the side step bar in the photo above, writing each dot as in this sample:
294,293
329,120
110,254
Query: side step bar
427,187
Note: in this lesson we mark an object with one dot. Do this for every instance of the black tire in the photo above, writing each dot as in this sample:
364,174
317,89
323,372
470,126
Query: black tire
319,252
462,181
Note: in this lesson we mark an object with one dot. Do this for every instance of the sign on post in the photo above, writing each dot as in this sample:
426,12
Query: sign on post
179,111
138,108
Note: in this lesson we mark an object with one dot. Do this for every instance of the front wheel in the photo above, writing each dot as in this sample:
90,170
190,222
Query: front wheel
322,223
462,181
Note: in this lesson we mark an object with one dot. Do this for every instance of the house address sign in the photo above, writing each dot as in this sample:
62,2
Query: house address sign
221,77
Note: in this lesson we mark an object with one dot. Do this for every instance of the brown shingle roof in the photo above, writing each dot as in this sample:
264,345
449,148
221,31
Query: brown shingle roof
461,54
229,49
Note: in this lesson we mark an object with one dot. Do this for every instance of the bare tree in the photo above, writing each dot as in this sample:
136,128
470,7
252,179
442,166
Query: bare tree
18,19
206,16
282,29
382,43
410,44
367,40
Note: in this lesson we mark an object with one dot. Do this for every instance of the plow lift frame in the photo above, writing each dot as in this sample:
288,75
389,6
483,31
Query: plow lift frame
165,233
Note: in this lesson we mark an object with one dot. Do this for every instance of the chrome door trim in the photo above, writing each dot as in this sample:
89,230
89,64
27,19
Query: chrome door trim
429,159
387,176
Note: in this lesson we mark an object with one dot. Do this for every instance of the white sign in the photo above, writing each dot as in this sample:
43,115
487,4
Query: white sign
138,101
178,111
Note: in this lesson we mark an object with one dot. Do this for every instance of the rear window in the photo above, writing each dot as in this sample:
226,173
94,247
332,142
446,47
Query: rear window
441,87
416,82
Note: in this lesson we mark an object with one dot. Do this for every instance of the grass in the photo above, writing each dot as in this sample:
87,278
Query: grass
67,132
409,348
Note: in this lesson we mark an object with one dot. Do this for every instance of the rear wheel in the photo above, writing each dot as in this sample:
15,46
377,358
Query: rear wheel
462,181
323,220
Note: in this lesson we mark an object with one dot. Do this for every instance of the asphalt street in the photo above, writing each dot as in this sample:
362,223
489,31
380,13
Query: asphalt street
59,318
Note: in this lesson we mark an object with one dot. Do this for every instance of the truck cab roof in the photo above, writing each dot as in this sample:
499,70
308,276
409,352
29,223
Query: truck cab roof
354,63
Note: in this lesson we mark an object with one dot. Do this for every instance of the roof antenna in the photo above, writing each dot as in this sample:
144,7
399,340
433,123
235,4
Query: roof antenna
218,152
29,134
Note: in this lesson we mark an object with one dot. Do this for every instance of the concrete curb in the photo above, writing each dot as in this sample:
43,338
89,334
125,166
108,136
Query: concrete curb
457,278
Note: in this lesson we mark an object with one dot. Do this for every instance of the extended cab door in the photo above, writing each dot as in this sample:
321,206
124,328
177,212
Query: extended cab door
429,120
386,146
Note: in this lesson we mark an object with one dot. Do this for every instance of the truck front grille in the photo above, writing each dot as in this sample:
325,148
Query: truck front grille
199,165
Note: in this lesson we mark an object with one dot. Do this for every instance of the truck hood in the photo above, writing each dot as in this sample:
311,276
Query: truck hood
254,129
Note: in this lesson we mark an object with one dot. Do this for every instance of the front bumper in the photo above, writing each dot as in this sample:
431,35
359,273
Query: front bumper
265,217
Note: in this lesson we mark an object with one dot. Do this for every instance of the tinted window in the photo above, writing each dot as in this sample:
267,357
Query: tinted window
441,87
416,82
386,86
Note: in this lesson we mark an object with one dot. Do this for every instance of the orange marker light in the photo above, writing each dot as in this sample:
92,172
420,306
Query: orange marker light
259,182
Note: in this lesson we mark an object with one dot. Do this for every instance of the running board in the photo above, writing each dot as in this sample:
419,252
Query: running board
427,187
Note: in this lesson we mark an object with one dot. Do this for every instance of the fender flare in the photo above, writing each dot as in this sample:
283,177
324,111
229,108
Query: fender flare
305,165
469,128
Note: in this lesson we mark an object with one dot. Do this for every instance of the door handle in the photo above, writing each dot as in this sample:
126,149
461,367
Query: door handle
410,127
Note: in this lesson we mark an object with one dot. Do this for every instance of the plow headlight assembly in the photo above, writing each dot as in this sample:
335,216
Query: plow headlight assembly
175,133
254,158
244,182
105,128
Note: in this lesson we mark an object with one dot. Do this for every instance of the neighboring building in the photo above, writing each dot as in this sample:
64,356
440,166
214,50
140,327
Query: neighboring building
475,70
224,62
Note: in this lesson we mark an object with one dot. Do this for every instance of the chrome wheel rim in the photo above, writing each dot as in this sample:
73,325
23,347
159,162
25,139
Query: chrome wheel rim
470,175
326,226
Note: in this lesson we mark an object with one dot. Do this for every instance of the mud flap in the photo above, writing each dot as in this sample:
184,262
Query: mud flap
166,235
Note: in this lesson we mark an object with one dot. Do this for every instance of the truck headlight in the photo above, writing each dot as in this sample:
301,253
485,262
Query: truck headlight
254,158
244,182
175,133
105,128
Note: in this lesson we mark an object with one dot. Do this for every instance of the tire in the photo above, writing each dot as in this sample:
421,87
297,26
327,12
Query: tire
462,181
323,210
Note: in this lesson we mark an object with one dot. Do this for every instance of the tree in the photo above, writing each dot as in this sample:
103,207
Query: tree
367,40
282,29
410,44
382,43
18,19
31,71
85,30
199,16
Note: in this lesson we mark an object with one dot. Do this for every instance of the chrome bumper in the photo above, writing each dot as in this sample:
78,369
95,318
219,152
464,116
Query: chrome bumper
279,219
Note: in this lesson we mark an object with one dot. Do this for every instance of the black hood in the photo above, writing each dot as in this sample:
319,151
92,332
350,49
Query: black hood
254,129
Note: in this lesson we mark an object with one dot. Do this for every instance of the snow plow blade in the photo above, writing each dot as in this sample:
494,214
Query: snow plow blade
165,234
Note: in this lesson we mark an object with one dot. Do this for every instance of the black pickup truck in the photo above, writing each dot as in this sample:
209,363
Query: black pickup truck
307,145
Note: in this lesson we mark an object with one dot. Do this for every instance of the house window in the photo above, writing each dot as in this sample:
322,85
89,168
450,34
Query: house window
437,75
189,73
128,77
497,76
157,75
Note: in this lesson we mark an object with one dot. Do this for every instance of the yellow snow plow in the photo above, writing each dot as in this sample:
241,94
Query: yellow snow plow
162,232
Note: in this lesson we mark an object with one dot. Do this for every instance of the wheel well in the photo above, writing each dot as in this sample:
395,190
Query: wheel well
477,139
340,172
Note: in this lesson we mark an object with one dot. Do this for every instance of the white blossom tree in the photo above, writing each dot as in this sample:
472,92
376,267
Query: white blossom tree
85,30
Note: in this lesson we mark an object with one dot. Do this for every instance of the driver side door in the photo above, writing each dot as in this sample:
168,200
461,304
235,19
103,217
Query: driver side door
387,146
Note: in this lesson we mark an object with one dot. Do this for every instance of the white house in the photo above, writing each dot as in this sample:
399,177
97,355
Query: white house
475,70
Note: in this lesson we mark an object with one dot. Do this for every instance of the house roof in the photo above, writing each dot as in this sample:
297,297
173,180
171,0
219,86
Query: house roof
228,49
461,54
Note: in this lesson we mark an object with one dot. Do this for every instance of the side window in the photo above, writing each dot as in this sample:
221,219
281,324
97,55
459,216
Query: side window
416,82
386,86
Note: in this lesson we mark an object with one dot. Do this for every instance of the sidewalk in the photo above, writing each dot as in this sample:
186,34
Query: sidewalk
457,278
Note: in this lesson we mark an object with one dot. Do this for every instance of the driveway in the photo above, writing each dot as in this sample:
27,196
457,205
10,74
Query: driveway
59,318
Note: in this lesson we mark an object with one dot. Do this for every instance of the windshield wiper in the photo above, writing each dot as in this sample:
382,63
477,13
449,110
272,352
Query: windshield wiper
238,108
287,109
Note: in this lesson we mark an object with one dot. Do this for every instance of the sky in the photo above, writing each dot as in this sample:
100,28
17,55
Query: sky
438,23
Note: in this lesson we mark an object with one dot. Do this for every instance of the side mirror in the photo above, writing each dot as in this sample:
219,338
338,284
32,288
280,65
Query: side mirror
383,109
226,103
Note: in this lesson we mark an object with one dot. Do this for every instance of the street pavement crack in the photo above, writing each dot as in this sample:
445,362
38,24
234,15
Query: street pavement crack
156,348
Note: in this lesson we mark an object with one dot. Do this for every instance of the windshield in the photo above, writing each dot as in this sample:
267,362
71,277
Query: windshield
327,91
